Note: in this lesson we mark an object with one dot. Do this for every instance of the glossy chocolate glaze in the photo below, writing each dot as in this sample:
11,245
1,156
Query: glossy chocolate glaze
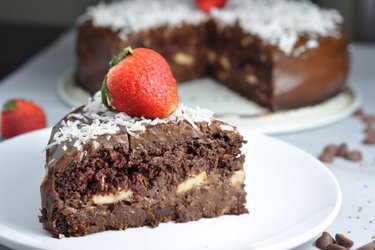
295,80
312,77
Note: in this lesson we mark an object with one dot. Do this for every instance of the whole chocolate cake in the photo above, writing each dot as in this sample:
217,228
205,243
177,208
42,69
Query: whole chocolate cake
109,171
281,54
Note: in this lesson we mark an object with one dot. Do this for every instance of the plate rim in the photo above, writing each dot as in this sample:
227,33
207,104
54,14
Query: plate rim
285,244
313,232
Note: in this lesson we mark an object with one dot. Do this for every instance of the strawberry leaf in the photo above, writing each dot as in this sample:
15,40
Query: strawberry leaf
106,95
117,59
10,106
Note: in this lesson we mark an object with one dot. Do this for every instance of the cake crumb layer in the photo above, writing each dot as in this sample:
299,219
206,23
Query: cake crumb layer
180,170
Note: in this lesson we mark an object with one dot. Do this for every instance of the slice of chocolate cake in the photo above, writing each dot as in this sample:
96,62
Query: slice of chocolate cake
109,171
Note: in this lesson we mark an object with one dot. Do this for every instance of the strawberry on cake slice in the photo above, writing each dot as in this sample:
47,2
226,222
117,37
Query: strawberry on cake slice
132,156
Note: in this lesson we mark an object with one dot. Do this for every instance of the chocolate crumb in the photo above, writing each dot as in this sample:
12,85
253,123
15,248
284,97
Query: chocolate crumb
359,209
353,156
368,246
349,232
335,247
357,217
344,241
324,240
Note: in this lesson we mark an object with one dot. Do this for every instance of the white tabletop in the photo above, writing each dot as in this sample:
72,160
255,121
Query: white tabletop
36,80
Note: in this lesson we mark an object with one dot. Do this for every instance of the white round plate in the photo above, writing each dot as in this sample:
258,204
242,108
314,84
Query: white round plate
292,197
239,111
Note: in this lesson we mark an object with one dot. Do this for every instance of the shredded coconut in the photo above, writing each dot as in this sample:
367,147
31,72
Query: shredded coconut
312,44
133,16
281,22
96,145
226,127
277,22
96,120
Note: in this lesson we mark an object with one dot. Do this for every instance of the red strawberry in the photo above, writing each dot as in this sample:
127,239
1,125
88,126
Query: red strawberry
207,5
20,116
140,83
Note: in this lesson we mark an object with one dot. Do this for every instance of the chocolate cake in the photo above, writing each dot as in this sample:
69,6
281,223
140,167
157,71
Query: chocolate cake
280,54
109,171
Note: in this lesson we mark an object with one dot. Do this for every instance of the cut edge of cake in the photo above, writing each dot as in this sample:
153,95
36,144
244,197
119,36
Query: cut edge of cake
279,54
109,171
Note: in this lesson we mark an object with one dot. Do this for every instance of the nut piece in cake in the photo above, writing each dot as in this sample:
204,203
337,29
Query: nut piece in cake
192,182
183,58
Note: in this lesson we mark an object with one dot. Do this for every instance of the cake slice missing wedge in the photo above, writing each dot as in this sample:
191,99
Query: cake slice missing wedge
108,171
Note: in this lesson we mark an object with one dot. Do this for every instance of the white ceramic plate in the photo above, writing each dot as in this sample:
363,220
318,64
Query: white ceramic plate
239,111
292,197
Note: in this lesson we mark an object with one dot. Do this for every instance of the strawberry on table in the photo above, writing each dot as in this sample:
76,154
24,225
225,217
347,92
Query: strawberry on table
140,83
207,5
20,116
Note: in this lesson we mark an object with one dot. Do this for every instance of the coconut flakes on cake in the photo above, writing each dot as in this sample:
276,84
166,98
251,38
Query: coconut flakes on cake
96,120
134,16
277,22
280,23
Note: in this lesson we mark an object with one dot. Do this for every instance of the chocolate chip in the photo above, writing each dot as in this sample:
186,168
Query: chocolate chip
335,247
359,113
342,240
342,149
324,240
330,149
369,129
354,155
369,246
368,119
370,136
326,158
328,154
369,140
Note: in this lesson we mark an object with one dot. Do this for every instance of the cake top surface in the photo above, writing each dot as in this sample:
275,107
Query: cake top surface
277,22
95,120
134,16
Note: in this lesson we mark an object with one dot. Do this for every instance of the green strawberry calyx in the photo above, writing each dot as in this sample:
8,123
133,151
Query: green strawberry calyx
10,106
106,94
